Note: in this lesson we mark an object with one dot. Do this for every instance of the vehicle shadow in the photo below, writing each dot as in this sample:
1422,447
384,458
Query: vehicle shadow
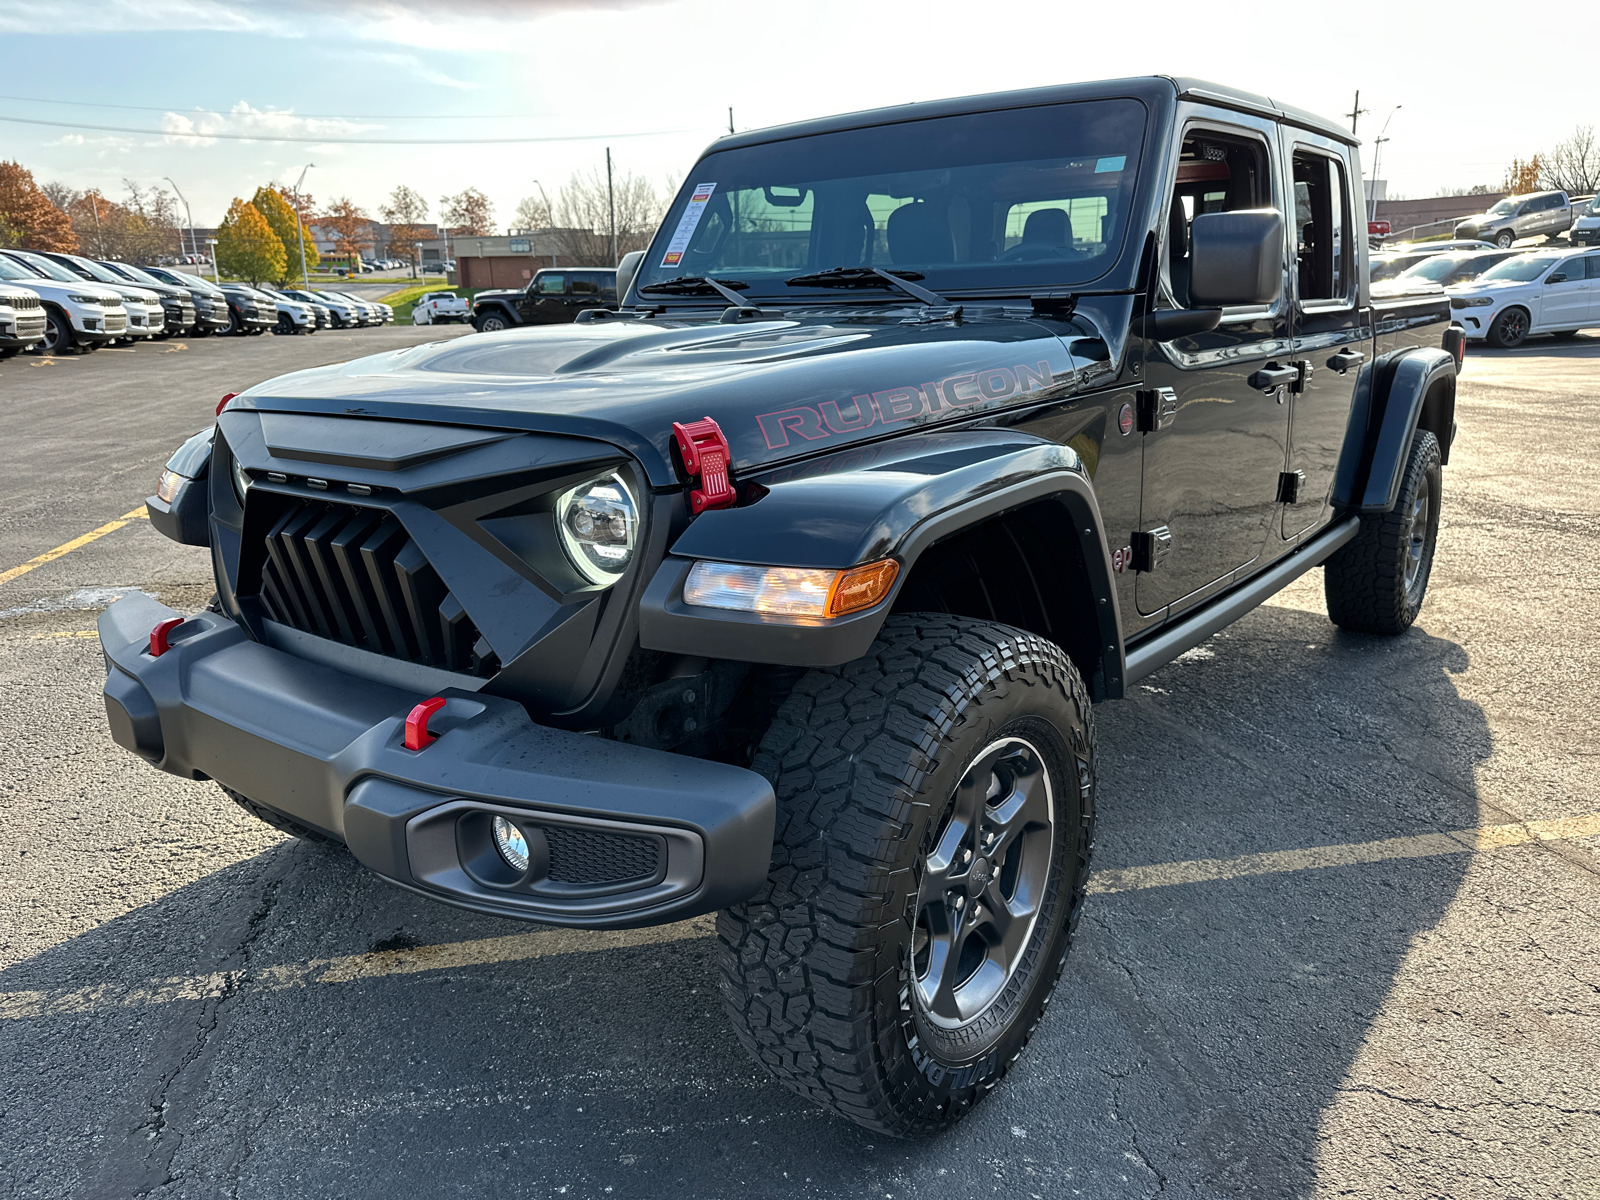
1196,1039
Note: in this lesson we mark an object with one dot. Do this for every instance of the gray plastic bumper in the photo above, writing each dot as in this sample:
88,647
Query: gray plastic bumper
618,835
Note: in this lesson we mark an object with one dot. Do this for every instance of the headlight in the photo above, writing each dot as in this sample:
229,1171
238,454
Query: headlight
97,300
599,525
789,591
241,481
1471,301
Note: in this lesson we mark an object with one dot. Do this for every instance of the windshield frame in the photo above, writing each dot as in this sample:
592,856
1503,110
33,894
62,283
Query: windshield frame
1139,152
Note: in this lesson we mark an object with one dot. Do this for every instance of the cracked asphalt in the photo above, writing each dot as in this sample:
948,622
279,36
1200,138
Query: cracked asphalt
1422,1026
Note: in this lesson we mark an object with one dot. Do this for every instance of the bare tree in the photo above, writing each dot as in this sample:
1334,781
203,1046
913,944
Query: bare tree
469,213
583,217
1574,165
531,213
404,215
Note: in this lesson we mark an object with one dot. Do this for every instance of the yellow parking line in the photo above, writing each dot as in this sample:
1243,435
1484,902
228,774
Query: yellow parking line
68,547
547,942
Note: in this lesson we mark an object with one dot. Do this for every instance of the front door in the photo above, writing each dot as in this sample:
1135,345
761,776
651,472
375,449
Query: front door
1214,427
545,301
1332,336
1564,296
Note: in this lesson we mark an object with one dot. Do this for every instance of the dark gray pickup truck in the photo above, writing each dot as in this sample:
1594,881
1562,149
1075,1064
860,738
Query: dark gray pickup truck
785,590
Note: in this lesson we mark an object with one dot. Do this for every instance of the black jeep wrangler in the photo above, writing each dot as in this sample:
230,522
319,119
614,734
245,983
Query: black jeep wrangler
552,297
785,591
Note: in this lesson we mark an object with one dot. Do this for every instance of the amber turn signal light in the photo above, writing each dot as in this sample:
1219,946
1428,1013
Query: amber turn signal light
862,587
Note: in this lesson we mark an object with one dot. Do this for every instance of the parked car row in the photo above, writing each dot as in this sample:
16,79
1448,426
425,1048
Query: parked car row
1503,297
52,302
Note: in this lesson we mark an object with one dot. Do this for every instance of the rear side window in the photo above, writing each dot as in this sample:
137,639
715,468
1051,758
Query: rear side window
552,285
585,285
1321,219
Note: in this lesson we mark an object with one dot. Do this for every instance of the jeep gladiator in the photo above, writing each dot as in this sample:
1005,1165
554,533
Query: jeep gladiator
785,590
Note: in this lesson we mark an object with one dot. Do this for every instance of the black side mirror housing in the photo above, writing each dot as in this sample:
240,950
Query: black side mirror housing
1236,257
1170,324
626,270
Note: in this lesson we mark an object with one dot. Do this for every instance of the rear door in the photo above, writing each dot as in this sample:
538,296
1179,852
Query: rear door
1564,296
1332,333
1214,431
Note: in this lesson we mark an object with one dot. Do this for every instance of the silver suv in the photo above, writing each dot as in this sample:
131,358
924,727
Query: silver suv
1547,213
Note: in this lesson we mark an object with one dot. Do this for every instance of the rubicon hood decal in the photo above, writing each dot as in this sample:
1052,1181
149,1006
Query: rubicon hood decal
779,389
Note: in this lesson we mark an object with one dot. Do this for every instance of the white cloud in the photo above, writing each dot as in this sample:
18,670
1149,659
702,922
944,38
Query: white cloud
199,128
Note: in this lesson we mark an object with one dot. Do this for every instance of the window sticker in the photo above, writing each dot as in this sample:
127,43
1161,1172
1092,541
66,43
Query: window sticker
688,223
1114,163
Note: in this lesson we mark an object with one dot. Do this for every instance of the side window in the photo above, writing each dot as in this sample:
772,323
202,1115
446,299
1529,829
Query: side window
1217,172
585,285
1593,261
552,285
1321,208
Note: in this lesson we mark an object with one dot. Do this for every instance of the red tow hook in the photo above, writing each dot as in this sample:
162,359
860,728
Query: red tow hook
418,736
159,644
705,459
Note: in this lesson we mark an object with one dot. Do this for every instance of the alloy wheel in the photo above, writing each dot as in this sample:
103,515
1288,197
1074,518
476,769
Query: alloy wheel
983,883
1417,536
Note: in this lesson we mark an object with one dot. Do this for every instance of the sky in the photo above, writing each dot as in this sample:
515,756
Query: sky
653,81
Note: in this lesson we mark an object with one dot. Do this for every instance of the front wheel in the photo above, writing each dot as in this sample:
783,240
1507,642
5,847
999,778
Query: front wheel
492,323
1510,329
1504,238
57,335
1376,582
935,811
285,324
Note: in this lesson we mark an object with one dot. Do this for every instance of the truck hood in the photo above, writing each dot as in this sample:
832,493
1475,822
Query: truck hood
780,389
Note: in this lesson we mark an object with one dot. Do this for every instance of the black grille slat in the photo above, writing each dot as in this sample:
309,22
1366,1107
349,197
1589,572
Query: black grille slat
354,575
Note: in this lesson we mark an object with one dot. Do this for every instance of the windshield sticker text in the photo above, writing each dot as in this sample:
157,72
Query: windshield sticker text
688,223
893,405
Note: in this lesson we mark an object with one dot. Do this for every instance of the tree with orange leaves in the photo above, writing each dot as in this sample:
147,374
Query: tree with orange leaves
27,218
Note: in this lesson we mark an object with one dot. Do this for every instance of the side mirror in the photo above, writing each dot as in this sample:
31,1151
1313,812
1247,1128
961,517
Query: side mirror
1236,257
1556,277
627,269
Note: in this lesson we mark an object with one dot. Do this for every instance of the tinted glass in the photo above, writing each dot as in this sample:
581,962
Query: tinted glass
1436,269
137,273
585,285
552,285
1001,200
1516,270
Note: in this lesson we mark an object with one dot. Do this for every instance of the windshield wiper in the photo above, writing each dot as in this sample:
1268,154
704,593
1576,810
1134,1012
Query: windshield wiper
853,277
699,285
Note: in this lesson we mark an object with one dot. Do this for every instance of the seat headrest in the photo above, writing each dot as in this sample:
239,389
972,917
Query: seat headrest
1048,226
919,233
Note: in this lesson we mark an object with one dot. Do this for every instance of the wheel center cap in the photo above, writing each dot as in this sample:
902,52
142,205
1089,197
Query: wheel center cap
980,872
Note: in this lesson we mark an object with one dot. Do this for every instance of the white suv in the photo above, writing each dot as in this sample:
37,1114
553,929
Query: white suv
21,318
1547,291
1586,229
86,315
146,314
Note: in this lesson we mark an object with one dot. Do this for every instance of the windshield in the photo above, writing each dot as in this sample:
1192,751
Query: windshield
1594,207
1006,201
43,266
195,280
9,269
1517,270
1435,269
1503,208
136,273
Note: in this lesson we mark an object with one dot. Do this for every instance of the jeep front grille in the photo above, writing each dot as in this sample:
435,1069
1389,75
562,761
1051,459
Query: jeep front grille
354,575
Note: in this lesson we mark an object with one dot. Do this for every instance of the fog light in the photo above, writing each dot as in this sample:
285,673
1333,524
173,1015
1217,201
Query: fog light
512,845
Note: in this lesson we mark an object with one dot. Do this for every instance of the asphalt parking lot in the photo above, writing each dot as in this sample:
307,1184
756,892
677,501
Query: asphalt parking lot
1344,941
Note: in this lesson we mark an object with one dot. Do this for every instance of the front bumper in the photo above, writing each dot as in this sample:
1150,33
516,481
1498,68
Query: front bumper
621,836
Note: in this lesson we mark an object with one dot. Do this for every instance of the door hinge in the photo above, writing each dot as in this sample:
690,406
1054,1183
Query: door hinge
1157,409
1291,486
1151,547
1303,380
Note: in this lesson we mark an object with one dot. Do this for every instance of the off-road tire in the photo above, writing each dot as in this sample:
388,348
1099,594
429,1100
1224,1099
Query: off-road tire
1510,329
817,968
492,322
1365,581
276,819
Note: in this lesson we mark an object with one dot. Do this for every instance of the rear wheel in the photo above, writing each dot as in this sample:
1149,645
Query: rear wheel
1376,582
1510,329
935,810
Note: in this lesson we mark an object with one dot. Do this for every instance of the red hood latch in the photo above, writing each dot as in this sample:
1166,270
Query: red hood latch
705,458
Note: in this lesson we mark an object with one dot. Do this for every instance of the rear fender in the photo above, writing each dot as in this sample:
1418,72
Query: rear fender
1415,389
894,500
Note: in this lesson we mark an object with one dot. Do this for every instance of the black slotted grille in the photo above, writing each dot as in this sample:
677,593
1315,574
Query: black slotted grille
355,575
582,856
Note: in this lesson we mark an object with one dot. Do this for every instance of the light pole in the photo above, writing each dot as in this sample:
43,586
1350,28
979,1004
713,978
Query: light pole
194,247
305,279
216,276
1377,157
549,221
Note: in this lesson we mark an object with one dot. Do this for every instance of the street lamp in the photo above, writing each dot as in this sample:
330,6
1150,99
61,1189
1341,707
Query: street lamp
549,221
305,279
1377,157
194,247
216,276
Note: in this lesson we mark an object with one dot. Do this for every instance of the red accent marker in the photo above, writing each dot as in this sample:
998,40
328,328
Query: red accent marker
158,636
223,403
417,735
705,455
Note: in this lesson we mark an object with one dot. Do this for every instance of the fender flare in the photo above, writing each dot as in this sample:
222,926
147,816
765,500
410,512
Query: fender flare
1395,397
479,310
891,501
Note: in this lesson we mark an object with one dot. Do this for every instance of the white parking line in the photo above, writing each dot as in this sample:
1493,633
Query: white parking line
544,943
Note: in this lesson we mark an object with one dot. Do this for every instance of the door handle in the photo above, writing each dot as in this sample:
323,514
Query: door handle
1272,377
1345,359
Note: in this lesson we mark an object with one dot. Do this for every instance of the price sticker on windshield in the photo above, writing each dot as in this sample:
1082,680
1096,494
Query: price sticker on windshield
688,223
